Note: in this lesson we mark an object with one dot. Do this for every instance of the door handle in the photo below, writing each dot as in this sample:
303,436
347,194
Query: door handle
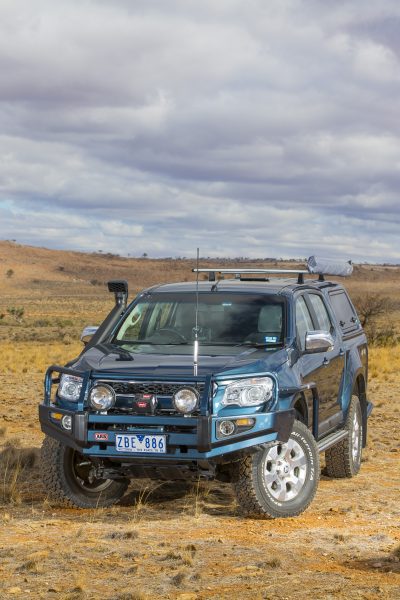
325,362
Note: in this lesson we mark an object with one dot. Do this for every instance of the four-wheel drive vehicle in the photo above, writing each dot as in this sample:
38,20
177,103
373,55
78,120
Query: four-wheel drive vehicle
244,380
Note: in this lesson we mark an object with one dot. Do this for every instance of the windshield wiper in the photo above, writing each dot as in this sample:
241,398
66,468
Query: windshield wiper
210,343
261,344
120,343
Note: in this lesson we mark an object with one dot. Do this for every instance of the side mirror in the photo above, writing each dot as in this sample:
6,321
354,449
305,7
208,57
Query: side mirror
318,341
88,333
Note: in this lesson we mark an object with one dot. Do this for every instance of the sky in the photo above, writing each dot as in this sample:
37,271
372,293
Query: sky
265,128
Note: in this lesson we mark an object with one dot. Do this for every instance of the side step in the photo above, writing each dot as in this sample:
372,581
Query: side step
332,439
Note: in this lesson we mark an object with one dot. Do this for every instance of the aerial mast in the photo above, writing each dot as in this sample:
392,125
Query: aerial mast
196,328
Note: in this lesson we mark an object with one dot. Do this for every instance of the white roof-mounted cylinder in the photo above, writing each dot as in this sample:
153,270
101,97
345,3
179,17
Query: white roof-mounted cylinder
329,266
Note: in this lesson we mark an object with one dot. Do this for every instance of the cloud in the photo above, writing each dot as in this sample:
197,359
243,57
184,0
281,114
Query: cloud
252,129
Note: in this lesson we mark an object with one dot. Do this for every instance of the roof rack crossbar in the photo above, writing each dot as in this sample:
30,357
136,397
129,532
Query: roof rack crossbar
252,271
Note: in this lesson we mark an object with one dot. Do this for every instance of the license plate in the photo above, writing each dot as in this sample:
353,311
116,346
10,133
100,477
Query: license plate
154,444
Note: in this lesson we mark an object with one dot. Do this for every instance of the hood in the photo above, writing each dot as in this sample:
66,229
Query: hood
104,357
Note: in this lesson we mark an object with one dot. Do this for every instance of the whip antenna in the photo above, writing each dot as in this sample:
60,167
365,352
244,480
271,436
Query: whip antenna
196,328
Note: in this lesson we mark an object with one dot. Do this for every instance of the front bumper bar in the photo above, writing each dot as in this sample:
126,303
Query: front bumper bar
192,438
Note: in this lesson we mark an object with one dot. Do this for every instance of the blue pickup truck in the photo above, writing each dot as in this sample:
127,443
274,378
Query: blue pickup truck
243,379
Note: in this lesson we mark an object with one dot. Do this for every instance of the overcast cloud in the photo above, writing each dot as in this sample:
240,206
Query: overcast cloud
258,128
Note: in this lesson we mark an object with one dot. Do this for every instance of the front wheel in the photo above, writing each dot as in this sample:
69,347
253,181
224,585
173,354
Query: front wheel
344,459
281,479
68,478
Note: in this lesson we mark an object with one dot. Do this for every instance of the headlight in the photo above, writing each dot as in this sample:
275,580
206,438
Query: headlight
70,387
249,392
102,397
186,400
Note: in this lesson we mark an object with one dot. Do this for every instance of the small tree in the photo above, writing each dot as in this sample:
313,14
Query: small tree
374,312
9,273
371,306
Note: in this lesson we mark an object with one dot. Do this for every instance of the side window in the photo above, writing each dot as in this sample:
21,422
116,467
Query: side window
131,327
321,313
344,311
303,321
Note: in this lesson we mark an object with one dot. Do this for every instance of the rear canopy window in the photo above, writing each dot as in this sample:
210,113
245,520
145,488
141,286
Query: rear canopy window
344,312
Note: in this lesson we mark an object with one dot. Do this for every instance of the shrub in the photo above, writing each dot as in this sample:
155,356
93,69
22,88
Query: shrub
375,311
371,306
41,323
17,312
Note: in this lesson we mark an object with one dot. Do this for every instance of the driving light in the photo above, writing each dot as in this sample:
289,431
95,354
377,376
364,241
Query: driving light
66,422
102,397
248,392
70,387
186,400
226,427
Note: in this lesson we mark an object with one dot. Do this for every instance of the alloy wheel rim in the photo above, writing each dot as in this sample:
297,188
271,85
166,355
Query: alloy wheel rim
285,470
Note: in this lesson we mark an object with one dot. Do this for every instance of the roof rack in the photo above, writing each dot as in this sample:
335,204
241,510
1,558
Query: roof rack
244,271
316,266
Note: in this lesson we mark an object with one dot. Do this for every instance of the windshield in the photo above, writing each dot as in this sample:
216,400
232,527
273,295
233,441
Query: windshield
223,319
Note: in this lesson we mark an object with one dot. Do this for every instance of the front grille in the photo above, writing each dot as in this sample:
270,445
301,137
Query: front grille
131,388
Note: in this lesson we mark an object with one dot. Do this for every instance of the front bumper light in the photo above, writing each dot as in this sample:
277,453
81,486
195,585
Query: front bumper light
102,397
248,392
70,387
186,400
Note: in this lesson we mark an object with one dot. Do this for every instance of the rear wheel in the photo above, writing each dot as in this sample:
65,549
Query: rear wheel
344,459
281,479
69,480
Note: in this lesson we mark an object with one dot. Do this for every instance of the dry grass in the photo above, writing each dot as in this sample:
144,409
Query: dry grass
32,357
17,469
196,498
384,363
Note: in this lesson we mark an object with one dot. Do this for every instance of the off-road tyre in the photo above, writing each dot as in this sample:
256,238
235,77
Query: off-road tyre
253,477
65,488
344,459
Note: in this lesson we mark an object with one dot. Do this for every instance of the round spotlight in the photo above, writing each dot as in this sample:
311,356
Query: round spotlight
226,427
66,422
102,397
186,400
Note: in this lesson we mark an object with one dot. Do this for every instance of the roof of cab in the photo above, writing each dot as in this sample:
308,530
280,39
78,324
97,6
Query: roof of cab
274,286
